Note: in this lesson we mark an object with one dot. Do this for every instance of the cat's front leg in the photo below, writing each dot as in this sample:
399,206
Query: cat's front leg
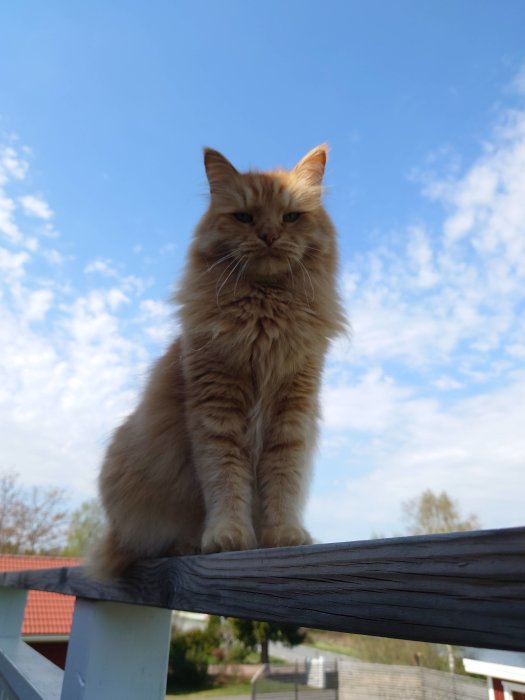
284,468
217,410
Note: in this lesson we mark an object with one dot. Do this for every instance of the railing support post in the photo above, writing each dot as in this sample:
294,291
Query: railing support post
12,608
117,652
27,674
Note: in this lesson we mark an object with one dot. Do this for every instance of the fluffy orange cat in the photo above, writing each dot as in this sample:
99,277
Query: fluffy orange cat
217,454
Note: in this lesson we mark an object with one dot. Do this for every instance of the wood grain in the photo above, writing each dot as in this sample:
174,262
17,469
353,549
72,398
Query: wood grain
466,589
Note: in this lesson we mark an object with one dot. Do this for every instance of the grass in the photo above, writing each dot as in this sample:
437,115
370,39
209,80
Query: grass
220,686
226,689
384,651
336,648
217,689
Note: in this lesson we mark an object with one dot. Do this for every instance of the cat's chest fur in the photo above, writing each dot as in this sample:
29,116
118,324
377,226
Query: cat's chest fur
271,329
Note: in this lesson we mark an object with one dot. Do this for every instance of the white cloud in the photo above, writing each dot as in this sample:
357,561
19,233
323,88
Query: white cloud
447,383
421,256
64,388
474,448
460,288
103,267
157,319
14,168
431,393
518,84
130,284
372,403
12,165
36,206
12,265
70,364
54,257
7,224
155,308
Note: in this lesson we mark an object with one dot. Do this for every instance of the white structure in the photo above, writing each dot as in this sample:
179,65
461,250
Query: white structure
315,672
505,672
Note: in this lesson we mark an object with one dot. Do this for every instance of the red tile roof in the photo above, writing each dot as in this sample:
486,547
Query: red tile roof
46,613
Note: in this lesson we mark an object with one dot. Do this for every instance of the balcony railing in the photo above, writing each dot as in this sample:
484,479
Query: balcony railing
464,589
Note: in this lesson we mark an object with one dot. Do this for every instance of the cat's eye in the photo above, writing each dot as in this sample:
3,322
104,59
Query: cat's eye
243,217
291,216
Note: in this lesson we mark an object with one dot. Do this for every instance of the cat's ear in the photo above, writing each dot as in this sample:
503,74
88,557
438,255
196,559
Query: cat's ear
219,171
310,169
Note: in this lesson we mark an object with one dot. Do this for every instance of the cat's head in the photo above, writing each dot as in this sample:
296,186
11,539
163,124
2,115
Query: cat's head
268,221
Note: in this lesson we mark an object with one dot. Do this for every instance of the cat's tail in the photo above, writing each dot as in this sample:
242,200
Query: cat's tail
108,559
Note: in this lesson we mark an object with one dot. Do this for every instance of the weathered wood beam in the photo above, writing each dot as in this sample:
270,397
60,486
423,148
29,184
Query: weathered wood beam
465,588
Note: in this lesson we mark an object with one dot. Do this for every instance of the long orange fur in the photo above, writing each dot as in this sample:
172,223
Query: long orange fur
217,454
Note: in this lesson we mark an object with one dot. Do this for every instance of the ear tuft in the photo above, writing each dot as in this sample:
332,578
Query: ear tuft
310,169
219,170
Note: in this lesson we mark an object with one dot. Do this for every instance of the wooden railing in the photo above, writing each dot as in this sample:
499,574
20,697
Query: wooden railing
465,589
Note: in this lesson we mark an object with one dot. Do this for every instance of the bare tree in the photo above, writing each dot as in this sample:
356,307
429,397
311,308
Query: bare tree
429,514
32,520
8,507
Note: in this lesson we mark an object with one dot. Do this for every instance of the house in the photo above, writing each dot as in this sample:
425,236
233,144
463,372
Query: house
48,616
505,672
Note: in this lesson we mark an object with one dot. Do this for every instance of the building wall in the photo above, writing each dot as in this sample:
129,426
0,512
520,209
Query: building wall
54,651
497,686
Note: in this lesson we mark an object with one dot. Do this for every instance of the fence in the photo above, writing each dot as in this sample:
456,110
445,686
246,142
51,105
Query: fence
359,681
314,679
466,589
352,680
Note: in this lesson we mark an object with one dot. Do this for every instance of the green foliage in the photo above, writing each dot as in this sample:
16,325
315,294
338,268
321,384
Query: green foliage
190,653
253,634
188,660
429,514
238,653
214,627
85,526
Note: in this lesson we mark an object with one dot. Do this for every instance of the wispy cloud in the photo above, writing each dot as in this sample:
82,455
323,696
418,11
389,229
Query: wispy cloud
518,83
431,393
71,361
103,267
36,206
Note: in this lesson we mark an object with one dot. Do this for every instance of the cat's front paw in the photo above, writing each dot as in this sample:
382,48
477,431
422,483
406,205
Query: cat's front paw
227,536
285,536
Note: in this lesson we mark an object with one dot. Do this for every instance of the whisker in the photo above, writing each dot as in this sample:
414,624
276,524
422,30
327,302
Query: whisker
304,282
228,267
317,250
291,271
231,254
245,266
237,262
239,275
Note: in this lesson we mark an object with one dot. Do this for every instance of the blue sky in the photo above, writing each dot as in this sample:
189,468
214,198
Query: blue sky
103,115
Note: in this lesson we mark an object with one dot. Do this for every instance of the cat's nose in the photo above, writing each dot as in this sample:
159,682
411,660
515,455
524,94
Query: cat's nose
268,236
